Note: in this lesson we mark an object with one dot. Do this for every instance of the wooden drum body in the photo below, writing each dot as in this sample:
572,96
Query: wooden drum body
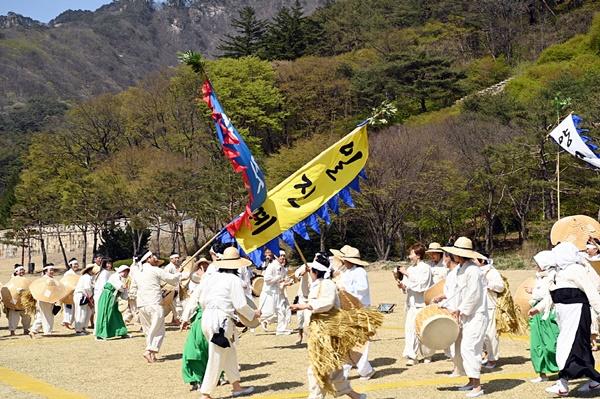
435,290
257,285
436,327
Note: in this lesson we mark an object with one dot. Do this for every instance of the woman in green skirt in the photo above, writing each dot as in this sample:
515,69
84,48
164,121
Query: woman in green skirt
109,321
195,351
543,327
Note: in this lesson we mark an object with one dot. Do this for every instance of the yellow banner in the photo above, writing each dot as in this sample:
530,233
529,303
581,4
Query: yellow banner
304,192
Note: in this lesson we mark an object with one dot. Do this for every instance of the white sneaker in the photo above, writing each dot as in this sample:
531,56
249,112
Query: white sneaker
489,366
411,362
465,388
368,376
589,386
363,396
560,388
474,394
538,380
427,360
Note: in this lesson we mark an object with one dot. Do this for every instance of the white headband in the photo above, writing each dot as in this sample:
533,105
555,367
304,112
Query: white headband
73,261
146,256
18,268
590,246
174,256
318,266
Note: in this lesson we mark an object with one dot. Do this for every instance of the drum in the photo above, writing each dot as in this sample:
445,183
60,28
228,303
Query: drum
70,282
596,265
249,323
522,297
349,301
435,290
257,285
10,290
436,327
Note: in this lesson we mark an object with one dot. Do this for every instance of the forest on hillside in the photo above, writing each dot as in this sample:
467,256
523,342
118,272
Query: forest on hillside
452,160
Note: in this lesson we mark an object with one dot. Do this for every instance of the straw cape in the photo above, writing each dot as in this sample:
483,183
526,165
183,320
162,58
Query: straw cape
47,289
231,259
332,337
434,247
509,319
349,254
463,247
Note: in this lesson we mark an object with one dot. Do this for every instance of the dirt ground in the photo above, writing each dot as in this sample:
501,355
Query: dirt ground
274,365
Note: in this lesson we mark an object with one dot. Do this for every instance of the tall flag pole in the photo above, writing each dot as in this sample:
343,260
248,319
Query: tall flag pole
233,146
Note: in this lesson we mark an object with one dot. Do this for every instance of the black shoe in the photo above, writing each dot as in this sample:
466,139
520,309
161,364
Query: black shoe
194,387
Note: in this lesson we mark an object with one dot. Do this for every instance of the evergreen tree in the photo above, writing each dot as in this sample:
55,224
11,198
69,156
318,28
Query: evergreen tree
248,40
286,37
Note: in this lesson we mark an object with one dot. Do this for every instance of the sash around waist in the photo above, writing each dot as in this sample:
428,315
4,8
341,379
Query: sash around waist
569,296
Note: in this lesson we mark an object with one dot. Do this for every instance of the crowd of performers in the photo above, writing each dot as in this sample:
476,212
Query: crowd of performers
213,300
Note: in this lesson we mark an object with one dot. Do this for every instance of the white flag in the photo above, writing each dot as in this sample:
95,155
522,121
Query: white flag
566,136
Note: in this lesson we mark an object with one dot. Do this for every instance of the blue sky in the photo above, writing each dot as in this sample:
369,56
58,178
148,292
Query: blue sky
45,10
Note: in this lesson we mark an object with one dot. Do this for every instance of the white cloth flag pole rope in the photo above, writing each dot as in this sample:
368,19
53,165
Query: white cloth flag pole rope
567,136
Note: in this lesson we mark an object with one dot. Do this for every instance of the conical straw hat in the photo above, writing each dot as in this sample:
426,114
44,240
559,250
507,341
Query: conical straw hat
70,282
576,229
10,290
47,289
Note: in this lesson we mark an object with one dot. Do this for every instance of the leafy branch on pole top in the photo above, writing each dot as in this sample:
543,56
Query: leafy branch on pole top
383,114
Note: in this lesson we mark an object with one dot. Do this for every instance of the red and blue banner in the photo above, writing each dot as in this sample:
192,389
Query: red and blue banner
238,153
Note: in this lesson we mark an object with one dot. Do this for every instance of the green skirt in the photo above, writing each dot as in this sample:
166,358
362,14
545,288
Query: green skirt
109,321
195,352
543,335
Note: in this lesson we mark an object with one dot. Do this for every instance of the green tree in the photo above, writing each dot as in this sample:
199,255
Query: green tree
249,38
287,35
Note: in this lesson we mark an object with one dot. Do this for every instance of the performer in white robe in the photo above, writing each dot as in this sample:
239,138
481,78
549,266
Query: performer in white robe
221,295
173,268
302,316
131,314
14,316
322,298
592,254
44,317
149,302
273,302
417,279
69,310
471,311
495,286
83,299
448,300
436,261
355,281
573,293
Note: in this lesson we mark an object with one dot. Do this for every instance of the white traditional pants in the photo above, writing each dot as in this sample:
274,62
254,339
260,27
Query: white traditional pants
219,359
471,345
82,313
68,314
44,318
153,322
13,319
491,341
275,307
412,346
339,382
359,357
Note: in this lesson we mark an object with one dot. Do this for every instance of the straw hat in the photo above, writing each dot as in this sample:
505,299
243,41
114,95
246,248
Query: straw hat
46,289
434,247
11,289
576,229
463,247
122,268
70,282
91,266
231,259
349,254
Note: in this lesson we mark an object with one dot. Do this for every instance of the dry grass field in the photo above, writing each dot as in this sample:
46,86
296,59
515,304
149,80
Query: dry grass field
69,366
